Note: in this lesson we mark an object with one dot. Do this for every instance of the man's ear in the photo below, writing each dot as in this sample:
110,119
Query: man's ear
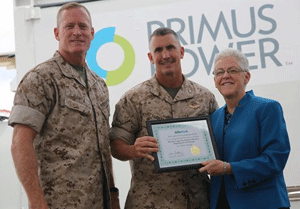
181,52
56,34
150,57
93,32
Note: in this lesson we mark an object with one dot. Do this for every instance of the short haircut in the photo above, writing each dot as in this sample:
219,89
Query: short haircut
237,55
162,32
68,6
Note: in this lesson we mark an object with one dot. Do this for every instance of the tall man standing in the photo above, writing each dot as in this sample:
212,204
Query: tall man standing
60,117
168,94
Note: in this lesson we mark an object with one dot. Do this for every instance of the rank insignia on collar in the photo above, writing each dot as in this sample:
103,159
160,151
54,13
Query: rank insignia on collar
194,106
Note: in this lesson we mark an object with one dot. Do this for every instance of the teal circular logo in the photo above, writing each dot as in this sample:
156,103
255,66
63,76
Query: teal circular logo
117,76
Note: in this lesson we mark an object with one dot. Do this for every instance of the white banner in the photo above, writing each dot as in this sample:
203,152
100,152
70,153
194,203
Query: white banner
267,32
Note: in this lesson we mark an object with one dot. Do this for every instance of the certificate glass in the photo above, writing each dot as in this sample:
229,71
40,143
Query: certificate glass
183,143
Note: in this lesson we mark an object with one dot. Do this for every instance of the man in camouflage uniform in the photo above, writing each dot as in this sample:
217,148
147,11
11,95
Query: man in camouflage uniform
166,95
60,117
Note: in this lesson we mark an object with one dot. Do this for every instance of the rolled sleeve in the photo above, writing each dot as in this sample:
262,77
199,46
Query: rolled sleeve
33,100
125,123
119,133
26,116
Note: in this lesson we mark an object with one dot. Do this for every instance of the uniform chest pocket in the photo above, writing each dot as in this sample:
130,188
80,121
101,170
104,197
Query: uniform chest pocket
71,104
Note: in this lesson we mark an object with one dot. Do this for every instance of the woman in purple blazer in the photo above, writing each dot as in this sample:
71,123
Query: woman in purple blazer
252,142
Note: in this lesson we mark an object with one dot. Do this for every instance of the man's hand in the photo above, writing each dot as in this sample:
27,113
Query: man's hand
115,203
144,147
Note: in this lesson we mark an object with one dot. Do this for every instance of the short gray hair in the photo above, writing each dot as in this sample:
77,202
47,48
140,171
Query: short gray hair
237,55
71,5
163,31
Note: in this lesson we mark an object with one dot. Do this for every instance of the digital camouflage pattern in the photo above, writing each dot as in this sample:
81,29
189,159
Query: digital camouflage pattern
72,124
149,101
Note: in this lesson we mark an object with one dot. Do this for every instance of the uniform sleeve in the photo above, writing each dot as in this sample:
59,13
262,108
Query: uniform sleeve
125,121
274,148
32,102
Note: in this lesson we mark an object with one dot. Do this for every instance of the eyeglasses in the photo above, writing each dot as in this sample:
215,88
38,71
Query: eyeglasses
230,71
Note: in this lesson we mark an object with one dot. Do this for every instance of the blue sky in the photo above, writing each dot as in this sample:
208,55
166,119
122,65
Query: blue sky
7,45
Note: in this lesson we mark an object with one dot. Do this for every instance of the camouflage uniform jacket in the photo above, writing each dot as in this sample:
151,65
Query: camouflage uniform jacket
72,145
149,101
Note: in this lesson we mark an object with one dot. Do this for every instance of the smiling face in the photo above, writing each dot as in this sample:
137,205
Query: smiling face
231,86
74,32
166,53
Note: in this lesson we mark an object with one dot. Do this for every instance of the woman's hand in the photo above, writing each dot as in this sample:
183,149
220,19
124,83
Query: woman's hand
215,168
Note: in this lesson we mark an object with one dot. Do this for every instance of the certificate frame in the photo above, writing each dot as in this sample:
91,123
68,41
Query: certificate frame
183,143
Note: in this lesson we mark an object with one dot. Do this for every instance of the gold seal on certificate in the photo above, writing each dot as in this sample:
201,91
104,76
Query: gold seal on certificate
183,143
195,150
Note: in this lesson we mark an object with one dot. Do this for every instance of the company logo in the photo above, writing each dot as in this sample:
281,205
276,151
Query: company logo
181,132
117,76
261,23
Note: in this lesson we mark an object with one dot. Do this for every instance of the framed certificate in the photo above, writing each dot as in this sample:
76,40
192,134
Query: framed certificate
183,143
